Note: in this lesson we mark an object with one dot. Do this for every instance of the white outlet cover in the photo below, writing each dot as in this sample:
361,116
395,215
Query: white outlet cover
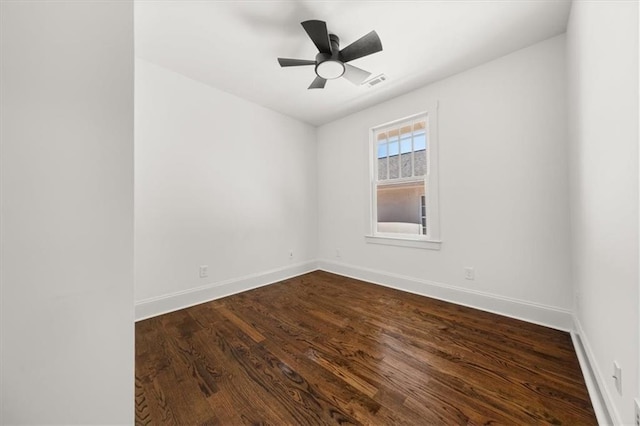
617,376
204,271
469,273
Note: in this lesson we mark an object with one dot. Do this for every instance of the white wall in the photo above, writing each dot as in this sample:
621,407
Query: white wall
602,54
67,213
219,181
503,185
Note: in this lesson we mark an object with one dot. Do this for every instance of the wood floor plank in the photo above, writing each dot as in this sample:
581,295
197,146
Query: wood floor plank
327,349
267,372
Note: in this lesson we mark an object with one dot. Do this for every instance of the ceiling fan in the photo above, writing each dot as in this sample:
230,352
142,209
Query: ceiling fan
331,62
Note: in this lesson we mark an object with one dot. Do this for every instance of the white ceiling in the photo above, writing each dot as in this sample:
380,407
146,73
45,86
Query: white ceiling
233,45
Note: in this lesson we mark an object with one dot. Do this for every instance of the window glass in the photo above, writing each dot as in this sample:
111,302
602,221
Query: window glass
405,139
400,193
420,163
393,146
400,208
419,141
382,149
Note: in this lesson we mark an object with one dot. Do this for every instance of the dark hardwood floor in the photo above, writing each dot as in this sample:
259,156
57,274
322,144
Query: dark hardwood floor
325,349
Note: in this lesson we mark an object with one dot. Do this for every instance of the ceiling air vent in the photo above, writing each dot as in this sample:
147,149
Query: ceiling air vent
375,80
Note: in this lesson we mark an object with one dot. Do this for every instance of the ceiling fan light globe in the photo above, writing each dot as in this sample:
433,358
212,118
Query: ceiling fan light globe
330,70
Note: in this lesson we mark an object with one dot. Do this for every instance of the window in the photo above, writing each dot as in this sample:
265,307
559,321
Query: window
404,193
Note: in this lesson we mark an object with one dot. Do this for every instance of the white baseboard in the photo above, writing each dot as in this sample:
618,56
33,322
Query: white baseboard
172,302
535,313
603,406
548,316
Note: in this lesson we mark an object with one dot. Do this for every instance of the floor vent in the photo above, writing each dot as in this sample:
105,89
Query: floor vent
375,80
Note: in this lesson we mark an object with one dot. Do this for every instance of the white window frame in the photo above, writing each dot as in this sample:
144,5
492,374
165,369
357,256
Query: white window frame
432,239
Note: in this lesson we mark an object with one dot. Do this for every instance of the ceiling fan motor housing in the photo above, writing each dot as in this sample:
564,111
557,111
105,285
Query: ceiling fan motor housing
329,66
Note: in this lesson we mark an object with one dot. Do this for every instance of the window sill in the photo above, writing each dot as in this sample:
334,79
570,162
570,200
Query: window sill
404,242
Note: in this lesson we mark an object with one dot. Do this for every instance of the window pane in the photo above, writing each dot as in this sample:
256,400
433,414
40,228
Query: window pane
419,141
382,149
382,168
399,208
420,163
405,144
405,139
394,167
393,146
405,165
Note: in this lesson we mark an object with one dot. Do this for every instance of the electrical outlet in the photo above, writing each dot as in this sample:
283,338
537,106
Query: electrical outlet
338,255
204,271
637,401
617,376
469,273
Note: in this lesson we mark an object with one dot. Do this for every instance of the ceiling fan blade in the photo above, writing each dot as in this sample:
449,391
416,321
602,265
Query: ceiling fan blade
364,46
318,34
354,74
286,62
318,83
